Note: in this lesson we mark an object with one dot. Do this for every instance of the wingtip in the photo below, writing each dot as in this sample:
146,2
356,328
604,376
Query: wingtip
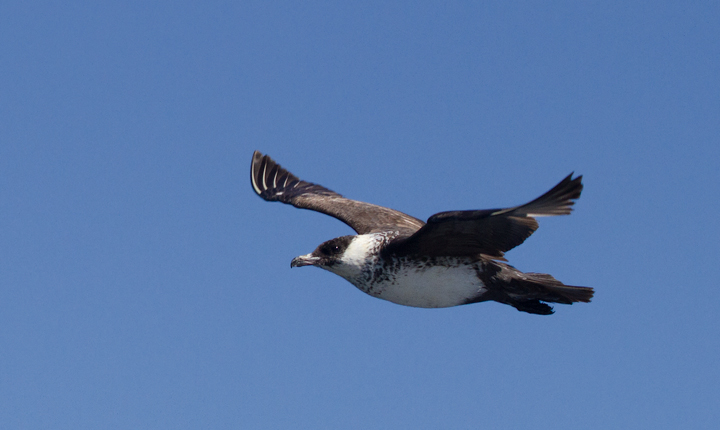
268,178
559,200
569,178
258,171
254,170
256,157
577,179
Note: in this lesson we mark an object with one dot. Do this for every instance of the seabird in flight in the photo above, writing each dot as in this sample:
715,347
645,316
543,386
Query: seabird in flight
455,258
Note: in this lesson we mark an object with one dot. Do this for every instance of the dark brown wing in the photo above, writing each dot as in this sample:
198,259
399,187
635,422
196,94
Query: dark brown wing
273,183
490,232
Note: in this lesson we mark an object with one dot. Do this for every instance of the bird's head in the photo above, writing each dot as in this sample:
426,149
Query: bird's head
326,255
346,256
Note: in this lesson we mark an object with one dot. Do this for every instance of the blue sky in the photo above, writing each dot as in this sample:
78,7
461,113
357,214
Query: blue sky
144,285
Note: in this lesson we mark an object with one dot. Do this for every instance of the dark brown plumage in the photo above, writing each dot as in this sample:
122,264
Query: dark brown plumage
394,249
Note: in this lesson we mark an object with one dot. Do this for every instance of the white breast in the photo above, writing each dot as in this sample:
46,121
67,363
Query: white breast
430,286
432,283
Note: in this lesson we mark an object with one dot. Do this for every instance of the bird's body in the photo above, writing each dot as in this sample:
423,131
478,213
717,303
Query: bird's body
433,282
454,259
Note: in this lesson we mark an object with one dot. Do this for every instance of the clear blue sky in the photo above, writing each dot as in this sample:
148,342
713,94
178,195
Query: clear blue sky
144,285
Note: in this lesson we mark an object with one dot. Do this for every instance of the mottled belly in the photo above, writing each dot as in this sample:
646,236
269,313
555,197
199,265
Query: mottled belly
448,284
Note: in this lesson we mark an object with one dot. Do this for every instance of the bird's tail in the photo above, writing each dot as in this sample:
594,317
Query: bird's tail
532,289
570,293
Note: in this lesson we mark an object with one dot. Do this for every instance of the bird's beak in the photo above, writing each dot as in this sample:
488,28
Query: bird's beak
304,260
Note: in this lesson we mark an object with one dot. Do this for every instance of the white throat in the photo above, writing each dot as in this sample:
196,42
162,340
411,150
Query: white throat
358,257
359,251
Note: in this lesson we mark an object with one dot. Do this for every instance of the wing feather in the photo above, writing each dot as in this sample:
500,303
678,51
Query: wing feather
488,232
273,183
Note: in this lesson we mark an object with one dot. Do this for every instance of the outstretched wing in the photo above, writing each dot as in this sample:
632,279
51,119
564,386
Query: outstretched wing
273,183
489,232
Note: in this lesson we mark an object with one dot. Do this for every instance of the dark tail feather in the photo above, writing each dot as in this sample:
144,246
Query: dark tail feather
570,293
532,307
532,289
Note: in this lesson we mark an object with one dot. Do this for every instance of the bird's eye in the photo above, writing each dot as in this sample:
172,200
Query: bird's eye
330,249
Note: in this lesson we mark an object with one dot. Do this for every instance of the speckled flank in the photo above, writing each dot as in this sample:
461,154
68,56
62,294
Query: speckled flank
430,282
421,282
437,282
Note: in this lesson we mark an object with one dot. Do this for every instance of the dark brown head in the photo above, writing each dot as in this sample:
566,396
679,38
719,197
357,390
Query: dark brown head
326,255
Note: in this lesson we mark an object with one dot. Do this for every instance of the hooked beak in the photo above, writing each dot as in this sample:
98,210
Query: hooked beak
304,260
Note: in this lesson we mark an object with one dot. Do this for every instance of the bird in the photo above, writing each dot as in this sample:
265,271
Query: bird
454,258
